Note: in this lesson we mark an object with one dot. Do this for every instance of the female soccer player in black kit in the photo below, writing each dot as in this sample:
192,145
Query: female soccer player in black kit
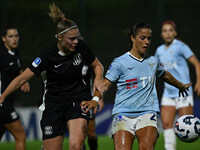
65,90
10,67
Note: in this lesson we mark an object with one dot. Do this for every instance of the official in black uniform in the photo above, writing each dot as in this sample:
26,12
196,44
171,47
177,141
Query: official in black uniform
65,89
10,67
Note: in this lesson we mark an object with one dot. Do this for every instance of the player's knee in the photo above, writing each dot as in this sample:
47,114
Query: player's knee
20,136
146,145
77,144
167,125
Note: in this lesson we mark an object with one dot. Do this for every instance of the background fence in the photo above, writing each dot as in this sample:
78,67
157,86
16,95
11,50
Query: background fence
104,25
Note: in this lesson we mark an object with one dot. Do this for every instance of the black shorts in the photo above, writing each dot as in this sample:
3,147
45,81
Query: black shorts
7,114
55,117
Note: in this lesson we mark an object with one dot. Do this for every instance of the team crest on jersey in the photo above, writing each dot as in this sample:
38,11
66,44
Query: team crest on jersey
77,59
36,62
48,130
152,65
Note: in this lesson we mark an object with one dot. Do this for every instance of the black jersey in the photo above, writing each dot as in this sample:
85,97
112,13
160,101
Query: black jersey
63,72
9,69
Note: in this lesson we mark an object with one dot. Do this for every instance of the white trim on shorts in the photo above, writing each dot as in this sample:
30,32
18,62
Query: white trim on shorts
132,124
178,102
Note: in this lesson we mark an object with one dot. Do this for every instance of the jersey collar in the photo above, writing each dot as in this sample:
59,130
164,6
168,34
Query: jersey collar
11,52
61,53
136,57
167,47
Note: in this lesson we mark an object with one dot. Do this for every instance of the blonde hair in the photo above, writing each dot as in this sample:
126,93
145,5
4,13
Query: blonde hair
59,17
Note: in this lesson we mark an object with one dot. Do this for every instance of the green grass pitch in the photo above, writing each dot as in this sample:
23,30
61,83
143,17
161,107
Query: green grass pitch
105,143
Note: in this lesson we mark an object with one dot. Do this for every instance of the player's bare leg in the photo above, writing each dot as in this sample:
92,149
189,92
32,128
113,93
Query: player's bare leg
168,114
91,133
186,111
77,133
53,143
123,140
147,137
17,130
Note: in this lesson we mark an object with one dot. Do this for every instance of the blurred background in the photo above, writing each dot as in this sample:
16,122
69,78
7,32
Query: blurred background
104,24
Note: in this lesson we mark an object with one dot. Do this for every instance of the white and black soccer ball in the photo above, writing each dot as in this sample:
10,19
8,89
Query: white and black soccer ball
187,128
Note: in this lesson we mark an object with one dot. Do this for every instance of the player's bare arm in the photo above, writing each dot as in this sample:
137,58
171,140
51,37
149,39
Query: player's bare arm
16,83
195,62
87,105
183,88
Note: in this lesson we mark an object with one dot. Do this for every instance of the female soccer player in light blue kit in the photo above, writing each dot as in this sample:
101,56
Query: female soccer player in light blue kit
136,109
173,56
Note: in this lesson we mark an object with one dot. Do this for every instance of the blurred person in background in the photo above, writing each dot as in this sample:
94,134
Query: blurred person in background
136,108
10,67
65,89
173,56
88,77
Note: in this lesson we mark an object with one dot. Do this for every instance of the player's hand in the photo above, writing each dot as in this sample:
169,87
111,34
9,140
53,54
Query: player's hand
87,105
101,105
25,87
197,88
183,90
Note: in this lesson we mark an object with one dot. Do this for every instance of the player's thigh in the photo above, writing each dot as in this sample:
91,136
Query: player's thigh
55,143
147,137
16,129
77,130
168,114
185,110
123,140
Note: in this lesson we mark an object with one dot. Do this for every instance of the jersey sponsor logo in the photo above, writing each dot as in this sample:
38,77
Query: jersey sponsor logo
56,66
48,130
36,62
133,83
13,115
11,63
77,59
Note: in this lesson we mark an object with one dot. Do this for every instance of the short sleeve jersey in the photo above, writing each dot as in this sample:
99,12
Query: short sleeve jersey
63,72
136,91
10,66
174,59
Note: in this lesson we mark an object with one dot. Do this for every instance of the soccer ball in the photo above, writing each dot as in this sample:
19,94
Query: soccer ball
187,128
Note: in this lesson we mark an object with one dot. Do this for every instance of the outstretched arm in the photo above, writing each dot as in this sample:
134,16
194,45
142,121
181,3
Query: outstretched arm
195,62
16,83
183,88
87,105
98,70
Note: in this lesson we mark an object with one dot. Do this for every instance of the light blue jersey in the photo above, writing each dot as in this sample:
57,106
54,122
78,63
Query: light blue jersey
136,91
174,59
